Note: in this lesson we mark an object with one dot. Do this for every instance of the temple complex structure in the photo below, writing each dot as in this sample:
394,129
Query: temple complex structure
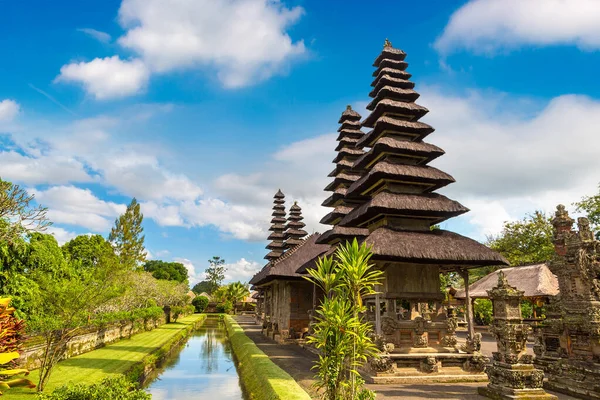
569,347
285,297
394,200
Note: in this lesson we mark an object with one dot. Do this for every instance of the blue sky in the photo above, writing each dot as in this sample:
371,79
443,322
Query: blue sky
202,109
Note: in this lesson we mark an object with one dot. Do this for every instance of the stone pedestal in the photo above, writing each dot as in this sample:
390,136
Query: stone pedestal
512,374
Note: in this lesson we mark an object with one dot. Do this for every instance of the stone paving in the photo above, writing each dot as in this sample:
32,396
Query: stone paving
297,362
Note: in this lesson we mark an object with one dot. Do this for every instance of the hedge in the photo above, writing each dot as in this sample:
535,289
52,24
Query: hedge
261,378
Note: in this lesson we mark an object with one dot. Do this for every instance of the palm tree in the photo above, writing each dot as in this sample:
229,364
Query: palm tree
236,292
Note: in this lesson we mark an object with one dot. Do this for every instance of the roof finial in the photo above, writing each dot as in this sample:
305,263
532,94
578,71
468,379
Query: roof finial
348,107
387,43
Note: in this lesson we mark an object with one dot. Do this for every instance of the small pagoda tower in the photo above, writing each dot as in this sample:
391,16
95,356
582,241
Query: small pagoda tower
397,204
295,234
277,228
344,175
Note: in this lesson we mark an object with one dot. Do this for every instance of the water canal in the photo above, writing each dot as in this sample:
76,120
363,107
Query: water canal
203,369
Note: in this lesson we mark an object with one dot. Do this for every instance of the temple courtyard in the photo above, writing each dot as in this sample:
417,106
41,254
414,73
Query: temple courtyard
298,362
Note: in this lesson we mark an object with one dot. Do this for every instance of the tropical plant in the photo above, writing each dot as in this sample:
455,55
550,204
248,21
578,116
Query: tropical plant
112,388
236,292
200,303
11,334
340,331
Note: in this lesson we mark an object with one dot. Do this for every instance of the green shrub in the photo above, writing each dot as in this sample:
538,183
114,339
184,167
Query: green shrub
224,308
116,388
200,303
262,379
176,312
482,311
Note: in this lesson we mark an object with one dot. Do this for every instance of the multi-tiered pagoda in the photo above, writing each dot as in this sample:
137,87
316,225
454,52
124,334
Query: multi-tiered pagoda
294,234
277,228
343,176
399,206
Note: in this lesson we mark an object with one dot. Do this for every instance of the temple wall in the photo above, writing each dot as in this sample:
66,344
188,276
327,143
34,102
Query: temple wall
300,303
413,281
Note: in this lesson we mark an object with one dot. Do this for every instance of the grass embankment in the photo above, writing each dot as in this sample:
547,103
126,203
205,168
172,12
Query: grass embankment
261,378
127,356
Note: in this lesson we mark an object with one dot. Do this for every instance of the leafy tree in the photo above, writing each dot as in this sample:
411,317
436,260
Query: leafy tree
526,241
203,287
171,271
127,239
340,331
200,303
215,273
591,206
17,214
90,251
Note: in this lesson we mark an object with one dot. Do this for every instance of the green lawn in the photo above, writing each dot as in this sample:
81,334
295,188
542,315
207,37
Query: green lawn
111,360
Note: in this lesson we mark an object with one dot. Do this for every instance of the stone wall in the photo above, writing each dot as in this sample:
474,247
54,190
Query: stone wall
90,339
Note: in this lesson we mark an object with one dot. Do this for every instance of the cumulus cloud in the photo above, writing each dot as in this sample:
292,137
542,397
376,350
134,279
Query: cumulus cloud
9,109
107,78
41,169
241,270
80,207
245,41
193,276
61,235
485,26
100,36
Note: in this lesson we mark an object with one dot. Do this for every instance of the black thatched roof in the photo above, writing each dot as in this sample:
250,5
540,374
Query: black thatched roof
341,233
393,93
392,106
424,151
432,177
349,114
286,265
431,247
412,129
337,213
390,72
434,206
387,80
390,53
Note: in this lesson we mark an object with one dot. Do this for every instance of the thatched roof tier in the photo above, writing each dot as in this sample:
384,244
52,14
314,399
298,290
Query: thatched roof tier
429,177
388,107
432,206
345,169
351,125
341,233
340,178
390,63
347,133
432,247
346,142
336,215
419,152
398,127
389,53
390,72
294,233
349,114
285,266
276,235
344,162
535,280
398,94
348,152
277,227
274,254
387,80
334,199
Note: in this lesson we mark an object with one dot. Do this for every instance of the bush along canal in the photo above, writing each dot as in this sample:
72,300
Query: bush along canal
204,368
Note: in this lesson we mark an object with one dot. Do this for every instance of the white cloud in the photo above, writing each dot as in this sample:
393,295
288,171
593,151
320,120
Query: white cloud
244,40
40,169
9,109
485,26
75,206
98,35
62,235
241,270
107,78
193,276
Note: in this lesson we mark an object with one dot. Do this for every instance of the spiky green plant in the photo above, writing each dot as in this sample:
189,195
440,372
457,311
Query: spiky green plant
340,332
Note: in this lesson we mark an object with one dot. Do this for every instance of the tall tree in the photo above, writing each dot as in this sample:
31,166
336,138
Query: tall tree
591,206
215,273
525,241
170,271
90,251
17,213
127,239
203,287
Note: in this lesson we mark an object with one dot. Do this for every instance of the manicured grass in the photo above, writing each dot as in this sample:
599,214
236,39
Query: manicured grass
117,358
261,378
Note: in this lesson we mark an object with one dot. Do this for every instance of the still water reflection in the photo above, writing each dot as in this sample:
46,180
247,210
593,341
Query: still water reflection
203,369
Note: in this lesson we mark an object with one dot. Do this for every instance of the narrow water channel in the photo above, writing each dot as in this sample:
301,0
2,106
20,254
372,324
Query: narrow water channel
203,369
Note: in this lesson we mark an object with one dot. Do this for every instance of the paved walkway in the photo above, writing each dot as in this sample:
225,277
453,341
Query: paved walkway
297,362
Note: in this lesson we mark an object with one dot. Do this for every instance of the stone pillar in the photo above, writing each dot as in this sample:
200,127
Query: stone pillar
473,343
377,313
512,374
